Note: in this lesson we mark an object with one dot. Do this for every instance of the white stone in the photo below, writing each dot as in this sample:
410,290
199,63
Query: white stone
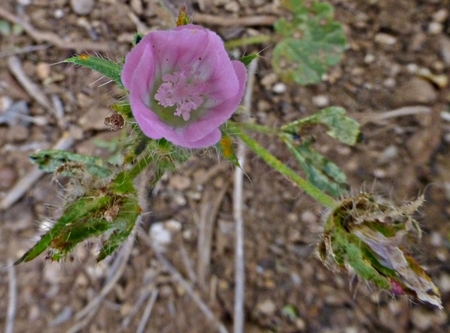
321,101
435,28
82,7
59,13
279,88
369,58
441,15
385,39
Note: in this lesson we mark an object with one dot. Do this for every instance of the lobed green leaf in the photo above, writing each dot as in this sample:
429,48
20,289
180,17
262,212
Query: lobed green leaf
338,125
67,163
319,170
312,42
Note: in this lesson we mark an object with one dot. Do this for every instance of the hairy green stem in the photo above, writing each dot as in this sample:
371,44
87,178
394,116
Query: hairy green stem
260,39
275,163
259,128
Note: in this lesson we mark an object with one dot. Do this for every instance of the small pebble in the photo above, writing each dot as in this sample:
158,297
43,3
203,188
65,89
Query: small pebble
279,88
321,101
180,182
33,313
308,217
389,154
412,68
440,16
444,43
435,28
421,319
444,283
59,13
42,70
380,173
389,82
82,7
173,225
266,307
232,7
269,80
415,91
160,235
385,39
369,58
436,239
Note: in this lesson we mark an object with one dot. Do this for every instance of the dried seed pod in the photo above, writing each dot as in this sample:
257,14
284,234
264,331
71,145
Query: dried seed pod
114,122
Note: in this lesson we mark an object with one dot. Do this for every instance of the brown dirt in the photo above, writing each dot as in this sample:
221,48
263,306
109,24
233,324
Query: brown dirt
400,157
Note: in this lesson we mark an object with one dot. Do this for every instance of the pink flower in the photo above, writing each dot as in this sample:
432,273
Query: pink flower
183,85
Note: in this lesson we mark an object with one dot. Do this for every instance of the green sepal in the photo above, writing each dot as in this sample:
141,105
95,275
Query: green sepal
105,67
183,18
124,109
226,149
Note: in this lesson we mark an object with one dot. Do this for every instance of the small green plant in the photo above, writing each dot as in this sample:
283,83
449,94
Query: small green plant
182,91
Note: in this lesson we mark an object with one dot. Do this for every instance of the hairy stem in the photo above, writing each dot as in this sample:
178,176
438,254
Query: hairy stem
290,174
260,39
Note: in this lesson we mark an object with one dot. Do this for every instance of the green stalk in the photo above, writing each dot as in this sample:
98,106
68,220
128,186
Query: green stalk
290,174
260,39
259,128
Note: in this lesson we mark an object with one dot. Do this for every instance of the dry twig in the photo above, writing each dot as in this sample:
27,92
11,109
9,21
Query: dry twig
366,117
116,272
208,214
147,311
45,36
239,316
30,87
26,49
186,285
143,295
12,300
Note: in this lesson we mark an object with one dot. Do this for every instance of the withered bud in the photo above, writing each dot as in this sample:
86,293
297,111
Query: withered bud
365,234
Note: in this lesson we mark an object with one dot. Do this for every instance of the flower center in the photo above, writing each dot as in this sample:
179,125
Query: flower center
182,89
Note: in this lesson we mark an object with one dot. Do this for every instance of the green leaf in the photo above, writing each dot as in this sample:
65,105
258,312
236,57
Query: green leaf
137,38
312,42
246,60
319,170
105,67
122,224
79,213
5,28
338,125
69,164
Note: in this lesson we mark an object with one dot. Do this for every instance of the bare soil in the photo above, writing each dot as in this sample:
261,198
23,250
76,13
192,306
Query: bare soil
398,58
